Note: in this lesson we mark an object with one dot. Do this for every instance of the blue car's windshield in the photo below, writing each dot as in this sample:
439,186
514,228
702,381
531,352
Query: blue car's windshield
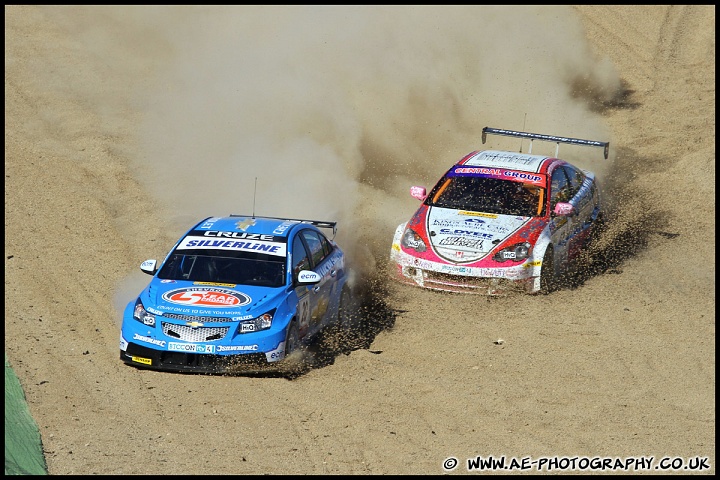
491,195
267,272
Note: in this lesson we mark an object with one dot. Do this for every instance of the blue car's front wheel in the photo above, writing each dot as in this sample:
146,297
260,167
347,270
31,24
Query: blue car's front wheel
294,362
292,339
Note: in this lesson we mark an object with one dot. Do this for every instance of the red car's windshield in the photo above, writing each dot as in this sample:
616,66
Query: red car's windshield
491,195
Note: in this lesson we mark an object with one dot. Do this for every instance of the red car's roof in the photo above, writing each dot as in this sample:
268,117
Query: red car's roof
522,162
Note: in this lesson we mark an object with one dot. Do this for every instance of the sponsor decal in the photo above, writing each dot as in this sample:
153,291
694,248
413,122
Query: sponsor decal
469,271
248,236
205,311
280,229
454,222
231,285
190,347
244,317
502,157
529,177
245,223
462,242
514,274
206,297
446,222
153,341
277,354
470,233
305,276
328,264
209,222
451,269
426,264
478,214
247,327
148,264
236,348
144,361
272,248
153,311
167,281
474,223
412,243
478,171
534,263
319,312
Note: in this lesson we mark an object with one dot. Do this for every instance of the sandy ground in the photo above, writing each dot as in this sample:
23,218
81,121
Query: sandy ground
124,125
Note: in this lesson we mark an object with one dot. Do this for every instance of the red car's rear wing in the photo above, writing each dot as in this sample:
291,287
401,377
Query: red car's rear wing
546,138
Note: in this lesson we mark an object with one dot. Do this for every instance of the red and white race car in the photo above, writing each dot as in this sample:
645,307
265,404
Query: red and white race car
500,221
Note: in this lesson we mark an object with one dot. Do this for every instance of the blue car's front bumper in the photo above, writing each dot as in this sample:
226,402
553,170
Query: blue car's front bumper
209,348
144,357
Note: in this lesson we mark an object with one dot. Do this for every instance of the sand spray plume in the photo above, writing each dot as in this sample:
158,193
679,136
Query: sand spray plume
336,110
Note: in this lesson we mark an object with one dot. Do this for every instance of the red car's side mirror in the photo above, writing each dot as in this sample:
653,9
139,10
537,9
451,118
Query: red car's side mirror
418,192
564,208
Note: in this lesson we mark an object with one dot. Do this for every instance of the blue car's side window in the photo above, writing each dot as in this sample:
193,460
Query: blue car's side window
317,253
300,259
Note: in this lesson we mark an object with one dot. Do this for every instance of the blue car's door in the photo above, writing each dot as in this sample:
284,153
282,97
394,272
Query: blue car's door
301,261
321,264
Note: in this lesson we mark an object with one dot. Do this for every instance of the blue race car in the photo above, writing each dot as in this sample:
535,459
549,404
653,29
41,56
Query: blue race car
238,294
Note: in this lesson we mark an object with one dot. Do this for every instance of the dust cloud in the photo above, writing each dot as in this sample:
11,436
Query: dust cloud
333,112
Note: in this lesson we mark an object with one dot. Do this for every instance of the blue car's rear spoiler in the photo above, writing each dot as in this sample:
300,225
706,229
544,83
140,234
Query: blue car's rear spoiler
545,138
317,223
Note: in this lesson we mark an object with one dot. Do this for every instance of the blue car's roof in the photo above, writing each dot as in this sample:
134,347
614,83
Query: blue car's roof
247,224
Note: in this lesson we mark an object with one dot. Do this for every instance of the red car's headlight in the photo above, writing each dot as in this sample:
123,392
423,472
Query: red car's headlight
410,239
514,253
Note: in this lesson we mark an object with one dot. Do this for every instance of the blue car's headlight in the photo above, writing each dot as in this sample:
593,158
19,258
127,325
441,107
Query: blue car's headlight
410,239
142,315
515,253
263,322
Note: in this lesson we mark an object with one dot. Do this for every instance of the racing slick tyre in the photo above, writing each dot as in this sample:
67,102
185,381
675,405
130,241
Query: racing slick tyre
292,340
548,282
